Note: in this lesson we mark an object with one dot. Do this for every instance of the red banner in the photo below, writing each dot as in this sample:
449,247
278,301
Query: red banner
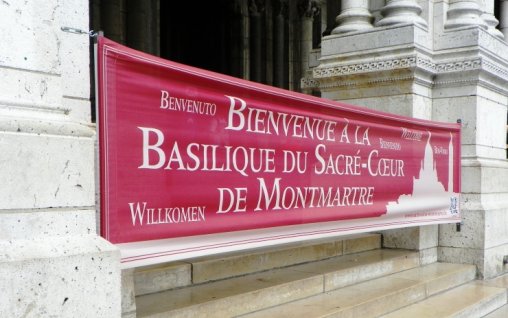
188,152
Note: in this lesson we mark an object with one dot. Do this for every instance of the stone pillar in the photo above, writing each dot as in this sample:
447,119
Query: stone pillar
95,15
141,24
463,13
472,87
490,19
280,12
138,31
52,262
268,45
245,35
503,23
113,20
456,74
401,12
354,16
307,9
383,69
256,8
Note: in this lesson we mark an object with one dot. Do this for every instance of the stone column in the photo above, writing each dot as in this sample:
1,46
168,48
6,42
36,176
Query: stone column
245,35
490,19
307,10
473,88
280,12
256,8
354,16
113,20
268,45
401,12
503,26
463,13
138,25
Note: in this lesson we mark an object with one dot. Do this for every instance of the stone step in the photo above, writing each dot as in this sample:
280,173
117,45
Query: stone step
469,300
222,266
356,268
500,282
501,312
378,296
156,278
244,294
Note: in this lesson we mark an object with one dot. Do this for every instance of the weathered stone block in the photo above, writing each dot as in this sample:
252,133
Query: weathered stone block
29,89
78,109
471,234
70,276
42,171
35,40
27,224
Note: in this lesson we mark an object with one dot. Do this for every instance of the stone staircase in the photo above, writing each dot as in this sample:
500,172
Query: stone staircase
347,277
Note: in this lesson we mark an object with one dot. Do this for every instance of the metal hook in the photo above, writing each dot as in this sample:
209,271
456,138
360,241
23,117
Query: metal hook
90,33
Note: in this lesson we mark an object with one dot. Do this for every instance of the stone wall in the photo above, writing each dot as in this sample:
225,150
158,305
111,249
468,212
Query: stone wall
52,262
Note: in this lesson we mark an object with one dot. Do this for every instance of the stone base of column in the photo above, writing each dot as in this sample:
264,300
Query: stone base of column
387,71
52,262
67,276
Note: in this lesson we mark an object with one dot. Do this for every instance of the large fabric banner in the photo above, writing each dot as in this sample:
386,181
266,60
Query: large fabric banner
188,153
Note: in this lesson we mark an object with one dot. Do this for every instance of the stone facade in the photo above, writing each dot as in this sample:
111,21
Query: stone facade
431,59
438,60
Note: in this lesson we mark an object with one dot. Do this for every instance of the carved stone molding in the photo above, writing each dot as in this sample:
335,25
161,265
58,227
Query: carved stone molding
408,62
496,69
370,82
328,77
459,66
349,69
308,83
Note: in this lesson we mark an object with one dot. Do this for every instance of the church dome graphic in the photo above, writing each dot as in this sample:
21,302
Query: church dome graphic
428,191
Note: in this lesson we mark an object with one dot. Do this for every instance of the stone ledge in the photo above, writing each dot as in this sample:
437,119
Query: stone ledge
42,223
50,247
40,119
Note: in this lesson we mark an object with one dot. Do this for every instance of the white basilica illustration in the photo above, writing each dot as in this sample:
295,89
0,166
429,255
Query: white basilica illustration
428,192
